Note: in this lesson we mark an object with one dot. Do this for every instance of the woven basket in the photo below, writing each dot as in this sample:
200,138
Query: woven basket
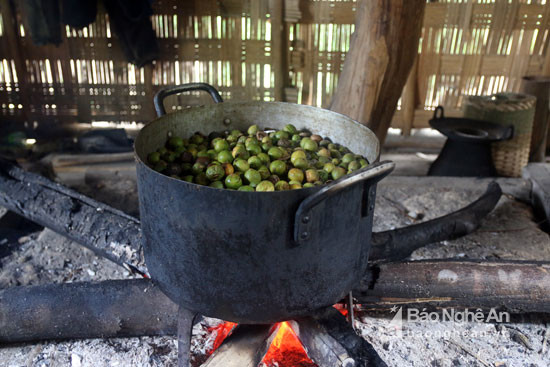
507,109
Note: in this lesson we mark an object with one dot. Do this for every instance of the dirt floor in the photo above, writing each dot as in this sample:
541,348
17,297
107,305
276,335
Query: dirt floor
509,232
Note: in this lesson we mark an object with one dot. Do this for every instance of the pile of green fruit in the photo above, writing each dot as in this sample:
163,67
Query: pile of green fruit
258,160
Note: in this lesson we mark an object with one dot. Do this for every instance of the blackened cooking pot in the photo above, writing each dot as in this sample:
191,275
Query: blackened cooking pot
256,257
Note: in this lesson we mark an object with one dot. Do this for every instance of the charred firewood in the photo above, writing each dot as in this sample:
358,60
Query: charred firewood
322,348
108,232
513,286
335,329
398,244
113,308
245,347
137,307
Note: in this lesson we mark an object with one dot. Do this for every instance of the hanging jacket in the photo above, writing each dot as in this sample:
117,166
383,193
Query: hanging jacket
130,20
42,21
78,13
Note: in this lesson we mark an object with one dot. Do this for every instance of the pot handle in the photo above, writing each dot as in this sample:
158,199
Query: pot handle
370,175
439,113
165,92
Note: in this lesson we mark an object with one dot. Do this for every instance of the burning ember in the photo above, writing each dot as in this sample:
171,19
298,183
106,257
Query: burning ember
285,349
222,331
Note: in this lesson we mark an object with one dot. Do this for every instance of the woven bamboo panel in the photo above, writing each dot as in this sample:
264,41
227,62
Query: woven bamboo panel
263,50
478,48
467,47
88,79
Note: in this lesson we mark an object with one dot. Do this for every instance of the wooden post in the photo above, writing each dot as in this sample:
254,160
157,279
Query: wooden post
382,52
409,99
538,86
278,48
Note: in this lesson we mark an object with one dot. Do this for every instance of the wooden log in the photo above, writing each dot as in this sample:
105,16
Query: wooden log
332,324
119,308
245,347
514,286
108,232
398,244
112,308
538,86
382,51
322,348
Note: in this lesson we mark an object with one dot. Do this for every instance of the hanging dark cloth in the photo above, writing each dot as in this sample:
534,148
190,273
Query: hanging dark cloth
78,13
130,20
43,21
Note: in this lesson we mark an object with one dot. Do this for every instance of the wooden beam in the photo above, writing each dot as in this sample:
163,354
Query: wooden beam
382,52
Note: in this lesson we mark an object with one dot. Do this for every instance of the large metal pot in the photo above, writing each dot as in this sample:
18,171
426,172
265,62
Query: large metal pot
254,257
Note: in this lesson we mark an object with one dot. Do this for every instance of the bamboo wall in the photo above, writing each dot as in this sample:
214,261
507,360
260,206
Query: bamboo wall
289,50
